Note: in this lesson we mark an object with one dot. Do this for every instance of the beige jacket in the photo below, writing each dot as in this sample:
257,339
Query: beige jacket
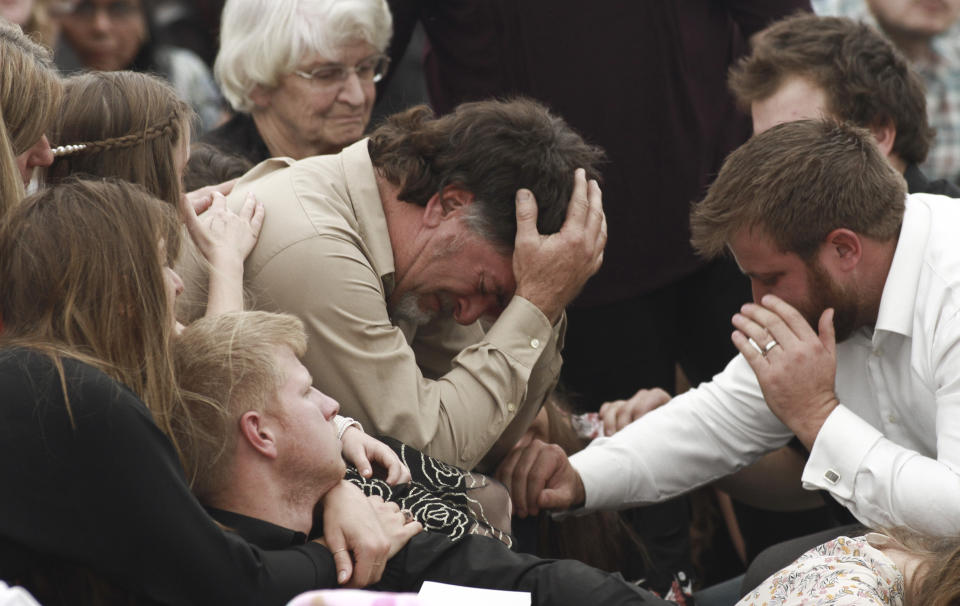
456,392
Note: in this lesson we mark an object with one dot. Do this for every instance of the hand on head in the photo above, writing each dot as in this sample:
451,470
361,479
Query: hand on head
551,270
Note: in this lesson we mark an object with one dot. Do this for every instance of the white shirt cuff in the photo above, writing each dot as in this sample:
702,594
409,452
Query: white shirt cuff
838,453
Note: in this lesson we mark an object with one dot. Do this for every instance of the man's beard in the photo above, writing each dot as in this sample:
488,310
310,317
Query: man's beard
408,309
824,292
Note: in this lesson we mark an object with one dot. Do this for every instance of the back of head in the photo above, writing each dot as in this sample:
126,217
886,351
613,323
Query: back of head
866,79
82,276
935,581
210,165
132,126
226,366
263,40
29,96
490,148
797,182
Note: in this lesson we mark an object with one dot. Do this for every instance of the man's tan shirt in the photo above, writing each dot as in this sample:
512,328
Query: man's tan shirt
456,392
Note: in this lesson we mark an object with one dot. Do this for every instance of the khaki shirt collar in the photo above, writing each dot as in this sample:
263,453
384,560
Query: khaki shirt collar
368,209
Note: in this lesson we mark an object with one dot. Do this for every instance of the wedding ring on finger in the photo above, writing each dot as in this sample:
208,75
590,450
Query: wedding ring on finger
766,348
407,516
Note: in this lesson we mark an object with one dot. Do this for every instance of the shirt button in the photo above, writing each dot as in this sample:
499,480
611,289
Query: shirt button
511,407
535,343
831,476
878,352
892,418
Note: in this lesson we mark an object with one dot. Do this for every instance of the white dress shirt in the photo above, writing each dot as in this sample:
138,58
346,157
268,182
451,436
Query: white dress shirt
890,452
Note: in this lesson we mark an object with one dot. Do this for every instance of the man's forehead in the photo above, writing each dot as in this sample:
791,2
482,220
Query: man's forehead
751,245
797,98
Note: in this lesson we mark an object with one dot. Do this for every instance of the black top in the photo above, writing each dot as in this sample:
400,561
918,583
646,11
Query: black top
918,183
239,136
646,80
474,561
108,494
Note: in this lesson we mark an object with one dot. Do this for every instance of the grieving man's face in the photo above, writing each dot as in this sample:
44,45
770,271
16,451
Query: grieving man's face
797,98
916,18
459,273
806,285
308,447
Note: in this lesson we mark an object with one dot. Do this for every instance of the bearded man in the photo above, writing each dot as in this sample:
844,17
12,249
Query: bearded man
852,345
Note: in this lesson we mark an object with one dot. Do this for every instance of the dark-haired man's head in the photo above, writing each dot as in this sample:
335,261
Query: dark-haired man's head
809,67
463,171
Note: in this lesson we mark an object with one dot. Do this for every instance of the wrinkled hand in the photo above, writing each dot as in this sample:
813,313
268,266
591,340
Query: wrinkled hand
551,270
355,535
539,476
200,199
361,449
797,375
618,414
222,236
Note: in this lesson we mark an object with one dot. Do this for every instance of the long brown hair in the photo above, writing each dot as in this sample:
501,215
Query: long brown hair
936,581
130,124
82,278
29,95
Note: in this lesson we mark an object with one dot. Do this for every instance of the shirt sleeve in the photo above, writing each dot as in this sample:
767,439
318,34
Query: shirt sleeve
105,490
886,484
360,358
699,436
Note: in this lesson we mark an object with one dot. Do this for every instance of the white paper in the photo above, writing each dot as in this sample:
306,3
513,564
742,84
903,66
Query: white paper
441,594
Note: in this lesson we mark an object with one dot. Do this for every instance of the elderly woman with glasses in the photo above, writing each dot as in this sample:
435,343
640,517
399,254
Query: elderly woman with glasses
299,73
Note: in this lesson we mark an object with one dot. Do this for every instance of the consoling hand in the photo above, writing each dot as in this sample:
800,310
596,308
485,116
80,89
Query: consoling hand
361,450
551,270
354,534
224,238
397,524
618,414
222,235
539,476
795,366
200,199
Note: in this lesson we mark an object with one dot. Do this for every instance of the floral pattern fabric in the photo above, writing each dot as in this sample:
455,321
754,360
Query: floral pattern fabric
442,497
841,572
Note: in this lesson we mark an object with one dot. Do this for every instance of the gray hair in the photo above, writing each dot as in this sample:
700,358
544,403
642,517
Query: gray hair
262,40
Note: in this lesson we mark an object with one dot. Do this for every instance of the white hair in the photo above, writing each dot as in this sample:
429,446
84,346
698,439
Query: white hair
262,40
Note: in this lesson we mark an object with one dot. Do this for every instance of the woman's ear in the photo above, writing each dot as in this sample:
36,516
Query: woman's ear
261,96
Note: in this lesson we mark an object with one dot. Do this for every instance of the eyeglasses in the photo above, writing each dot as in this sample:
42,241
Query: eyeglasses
116,11
372,69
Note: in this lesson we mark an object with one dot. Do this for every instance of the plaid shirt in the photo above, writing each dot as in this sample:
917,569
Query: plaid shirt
941,75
